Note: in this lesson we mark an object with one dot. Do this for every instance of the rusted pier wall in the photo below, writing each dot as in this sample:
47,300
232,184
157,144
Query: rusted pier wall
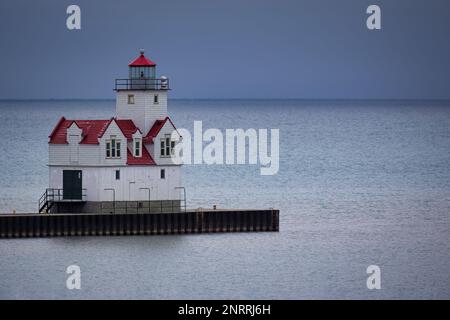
81,224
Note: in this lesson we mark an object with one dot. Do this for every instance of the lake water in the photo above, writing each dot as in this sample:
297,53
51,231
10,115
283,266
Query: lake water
359,184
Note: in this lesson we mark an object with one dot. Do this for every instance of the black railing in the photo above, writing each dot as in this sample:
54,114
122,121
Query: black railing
183,200
142,206
52,195
142,84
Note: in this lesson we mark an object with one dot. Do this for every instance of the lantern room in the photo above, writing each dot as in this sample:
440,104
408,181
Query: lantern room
142,68
142,76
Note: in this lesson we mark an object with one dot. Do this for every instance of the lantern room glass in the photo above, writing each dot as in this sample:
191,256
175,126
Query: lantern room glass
142,72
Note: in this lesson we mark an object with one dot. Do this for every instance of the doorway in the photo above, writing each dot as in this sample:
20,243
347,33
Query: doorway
72,184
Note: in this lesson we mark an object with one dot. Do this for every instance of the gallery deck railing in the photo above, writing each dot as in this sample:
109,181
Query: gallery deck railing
142,206
142,84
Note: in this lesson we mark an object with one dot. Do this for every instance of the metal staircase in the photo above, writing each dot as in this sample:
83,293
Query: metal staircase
46,201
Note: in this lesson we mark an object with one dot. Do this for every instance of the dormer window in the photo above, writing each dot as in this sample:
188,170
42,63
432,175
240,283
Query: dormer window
138,147
131,99
167,147
113,148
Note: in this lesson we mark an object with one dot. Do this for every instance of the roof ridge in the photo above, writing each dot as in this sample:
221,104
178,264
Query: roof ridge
103,130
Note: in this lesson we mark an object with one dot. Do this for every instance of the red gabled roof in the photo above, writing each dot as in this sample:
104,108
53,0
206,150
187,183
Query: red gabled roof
142,61
157,126
92,130
146,158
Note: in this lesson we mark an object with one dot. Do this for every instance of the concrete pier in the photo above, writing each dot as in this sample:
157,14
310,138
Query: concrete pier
107,224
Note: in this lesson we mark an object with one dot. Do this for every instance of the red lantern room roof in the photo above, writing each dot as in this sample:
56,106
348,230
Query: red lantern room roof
142,61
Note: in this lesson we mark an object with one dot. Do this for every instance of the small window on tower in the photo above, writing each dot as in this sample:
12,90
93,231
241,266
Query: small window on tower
117,174
163,173
131,99
155,99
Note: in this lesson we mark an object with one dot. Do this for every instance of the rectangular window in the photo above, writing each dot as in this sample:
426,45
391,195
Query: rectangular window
172,147
113,148
137,148
155,99
167,147
117,174
163,173
131,99
163,148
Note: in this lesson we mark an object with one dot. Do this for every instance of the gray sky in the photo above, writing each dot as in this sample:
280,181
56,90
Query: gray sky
229,49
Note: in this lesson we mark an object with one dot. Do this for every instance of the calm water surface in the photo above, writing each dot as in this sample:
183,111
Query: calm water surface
359,184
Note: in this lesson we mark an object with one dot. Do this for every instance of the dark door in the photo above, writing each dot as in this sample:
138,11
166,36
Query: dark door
72,181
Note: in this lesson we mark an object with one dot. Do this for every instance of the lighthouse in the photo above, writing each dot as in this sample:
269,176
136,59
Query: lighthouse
142,97
122,164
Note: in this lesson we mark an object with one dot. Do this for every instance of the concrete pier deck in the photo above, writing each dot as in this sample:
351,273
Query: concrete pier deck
107,224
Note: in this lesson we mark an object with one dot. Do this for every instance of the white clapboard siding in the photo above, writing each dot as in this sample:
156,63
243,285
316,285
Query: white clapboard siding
129,188
58,154
89,154
144,112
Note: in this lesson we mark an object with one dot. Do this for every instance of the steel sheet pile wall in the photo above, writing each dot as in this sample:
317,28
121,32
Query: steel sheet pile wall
56,225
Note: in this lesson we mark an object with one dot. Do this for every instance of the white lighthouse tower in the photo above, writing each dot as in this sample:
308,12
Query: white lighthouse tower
122,164
142,97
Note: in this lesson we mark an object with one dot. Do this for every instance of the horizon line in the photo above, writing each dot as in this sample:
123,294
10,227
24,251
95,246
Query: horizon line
262,99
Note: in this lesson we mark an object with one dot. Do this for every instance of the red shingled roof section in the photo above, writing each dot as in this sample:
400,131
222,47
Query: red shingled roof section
128,128
142,61
92,130
146,158
154,131
157,126
58,134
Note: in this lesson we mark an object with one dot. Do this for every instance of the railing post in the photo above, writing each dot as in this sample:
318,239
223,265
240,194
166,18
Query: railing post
114,198
184,197
149,203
